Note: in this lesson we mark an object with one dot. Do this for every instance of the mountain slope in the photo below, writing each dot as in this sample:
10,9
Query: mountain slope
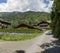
29,18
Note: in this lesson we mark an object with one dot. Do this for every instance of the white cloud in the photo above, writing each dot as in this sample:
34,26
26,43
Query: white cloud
49,7
25,5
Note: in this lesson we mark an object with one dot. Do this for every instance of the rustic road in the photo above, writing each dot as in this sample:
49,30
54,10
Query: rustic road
28,46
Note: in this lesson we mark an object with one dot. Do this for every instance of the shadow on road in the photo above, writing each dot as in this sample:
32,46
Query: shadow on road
53,47
52,50
20,51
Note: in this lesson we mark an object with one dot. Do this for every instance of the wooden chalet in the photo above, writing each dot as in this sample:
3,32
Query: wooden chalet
43,24
24,26
4,24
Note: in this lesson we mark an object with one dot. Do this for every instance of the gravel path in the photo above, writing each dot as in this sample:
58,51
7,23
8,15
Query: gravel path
29,46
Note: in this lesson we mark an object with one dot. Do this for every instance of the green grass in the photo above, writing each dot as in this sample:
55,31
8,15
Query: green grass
22,34
19,30
8,37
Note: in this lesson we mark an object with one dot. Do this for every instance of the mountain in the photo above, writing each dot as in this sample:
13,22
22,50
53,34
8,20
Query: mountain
30,17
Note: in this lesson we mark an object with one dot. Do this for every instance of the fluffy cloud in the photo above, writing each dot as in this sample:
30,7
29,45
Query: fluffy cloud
26,5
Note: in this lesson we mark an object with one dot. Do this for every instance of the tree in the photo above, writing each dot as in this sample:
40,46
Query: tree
55,17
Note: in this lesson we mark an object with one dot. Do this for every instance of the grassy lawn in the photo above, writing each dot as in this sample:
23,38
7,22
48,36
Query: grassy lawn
16,38
21,34
19,30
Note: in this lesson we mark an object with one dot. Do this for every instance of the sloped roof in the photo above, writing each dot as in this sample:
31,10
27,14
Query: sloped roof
4,22
43,22
24,25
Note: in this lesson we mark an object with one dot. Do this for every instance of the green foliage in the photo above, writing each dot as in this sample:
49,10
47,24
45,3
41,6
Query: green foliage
29,18
55,17
23,34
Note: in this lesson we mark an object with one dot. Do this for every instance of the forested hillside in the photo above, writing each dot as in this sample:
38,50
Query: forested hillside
30,18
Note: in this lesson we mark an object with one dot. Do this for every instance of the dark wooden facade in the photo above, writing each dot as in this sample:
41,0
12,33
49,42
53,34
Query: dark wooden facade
43,24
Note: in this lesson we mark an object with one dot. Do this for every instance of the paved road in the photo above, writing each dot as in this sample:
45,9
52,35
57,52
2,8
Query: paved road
28,46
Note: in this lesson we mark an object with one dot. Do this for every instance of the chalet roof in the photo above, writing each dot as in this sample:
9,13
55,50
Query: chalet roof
24,25
5,22
43,22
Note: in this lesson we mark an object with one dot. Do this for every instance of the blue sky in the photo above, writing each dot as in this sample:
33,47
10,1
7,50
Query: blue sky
46,1
25,5
3,1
